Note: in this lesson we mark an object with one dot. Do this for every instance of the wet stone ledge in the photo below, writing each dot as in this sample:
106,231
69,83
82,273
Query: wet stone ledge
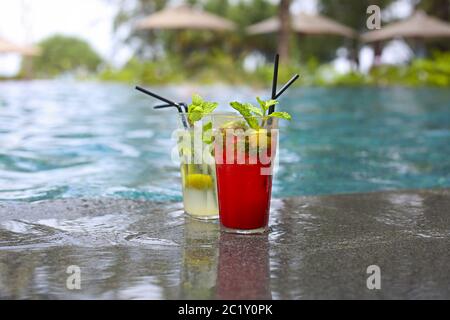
319,247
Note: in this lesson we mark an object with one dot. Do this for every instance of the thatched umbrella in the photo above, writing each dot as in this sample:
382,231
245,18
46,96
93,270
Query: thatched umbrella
185,17
9,47
304,24
418,26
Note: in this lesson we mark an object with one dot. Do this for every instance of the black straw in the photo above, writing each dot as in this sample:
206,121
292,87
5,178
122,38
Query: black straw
154,95
274,81
184,105
286,86
163,106
183,116
178,106
169,103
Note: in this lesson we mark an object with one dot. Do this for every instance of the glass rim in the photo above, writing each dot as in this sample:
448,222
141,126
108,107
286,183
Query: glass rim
224,113
234,115
229,114
220,117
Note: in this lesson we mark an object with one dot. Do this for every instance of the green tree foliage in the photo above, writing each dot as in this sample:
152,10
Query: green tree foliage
60,54
441,10
437,8
128,14
351,13
155,44
244,14
206,57
433,71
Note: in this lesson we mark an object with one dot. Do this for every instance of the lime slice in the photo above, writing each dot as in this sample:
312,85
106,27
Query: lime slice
199,181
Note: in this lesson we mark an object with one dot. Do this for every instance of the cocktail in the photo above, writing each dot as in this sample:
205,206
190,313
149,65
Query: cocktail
194,147
244,156
245,153
198,172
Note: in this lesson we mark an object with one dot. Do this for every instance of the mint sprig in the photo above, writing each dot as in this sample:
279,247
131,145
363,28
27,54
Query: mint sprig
265,105
281,115
251,113
199,108
247,111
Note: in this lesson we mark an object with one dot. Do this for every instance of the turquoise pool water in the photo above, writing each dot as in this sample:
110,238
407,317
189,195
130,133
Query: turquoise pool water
61,140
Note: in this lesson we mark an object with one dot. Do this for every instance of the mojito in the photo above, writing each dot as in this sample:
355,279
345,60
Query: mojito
198,173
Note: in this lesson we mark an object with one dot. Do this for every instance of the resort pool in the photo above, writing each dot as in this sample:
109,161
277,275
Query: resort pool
70,139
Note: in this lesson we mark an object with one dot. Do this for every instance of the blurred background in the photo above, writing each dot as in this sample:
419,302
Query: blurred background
111,40
371,109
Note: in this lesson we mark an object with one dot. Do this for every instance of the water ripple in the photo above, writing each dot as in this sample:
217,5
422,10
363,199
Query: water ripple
106,140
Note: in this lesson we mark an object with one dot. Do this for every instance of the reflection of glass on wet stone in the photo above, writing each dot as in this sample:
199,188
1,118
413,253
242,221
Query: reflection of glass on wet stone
133,249
200,254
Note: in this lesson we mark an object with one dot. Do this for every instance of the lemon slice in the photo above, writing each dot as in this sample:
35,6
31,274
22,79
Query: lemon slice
199,181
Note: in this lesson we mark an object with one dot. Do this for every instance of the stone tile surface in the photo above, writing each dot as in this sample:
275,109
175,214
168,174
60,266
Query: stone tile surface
318,248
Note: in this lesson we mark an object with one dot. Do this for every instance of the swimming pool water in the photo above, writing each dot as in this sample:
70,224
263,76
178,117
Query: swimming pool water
70,139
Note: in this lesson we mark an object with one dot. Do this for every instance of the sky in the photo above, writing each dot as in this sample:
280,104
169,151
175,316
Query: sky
29,21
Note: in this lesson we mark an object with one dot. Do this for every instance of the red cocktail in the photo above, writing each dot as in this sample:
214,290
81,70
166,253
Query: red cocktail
244,196
244,159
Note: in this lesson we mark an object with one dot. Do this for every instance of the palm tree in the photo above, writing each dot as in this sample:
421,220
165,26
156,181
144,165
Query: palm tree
285,28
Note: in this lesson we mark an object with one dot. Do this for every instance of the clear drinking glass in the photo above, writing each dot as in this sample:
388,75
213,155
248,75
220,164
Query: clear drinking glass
198,173
244,160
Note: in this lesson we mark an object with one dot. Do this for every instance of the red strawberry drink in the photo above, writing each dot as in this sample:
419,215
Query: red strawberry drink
244,158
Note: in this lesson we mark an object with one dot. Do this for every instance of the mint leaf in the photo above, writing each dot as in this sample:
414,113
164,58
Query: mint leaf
207,127
195,116
265,105
209,107
254,109
241,108
270,103
281,115
194,108
197,99
195,112
261,103
207,135
199,108
246,112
